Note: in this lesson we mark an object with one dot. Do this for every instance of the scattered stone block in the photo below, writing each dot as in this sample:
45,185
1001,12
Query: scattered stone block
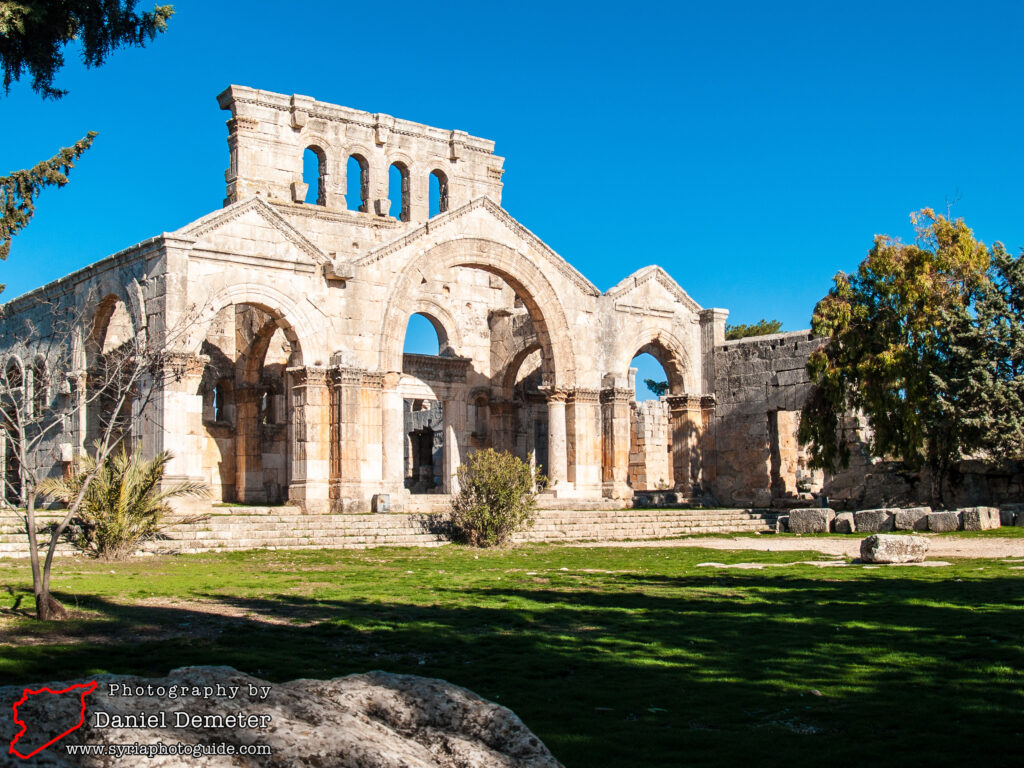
815,520
912,519
873,520
782,524
943,522
893,549
980,518
844,523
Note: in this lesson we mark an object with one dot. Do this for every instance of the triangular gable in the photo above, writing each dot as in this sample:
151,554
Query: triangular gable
449,219
658,275
205,227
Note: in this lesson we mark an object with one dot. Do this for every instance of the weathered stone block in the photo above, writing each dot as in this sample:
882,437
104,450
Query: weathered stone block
912,519
874,520
844,523
893,549
782,524
811,520
980,518
942,522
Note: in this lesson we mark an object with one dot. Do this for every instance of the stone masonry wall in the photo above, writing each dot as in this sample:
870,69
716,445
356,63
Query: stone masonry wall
650,446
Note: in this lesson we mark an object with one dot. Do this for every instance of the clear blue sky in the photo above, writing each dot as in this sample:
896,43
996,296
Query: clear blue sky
751,149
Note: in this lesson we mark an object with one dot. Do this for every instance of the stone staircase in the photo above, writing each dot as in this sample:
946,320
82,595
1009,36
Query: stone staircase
242,528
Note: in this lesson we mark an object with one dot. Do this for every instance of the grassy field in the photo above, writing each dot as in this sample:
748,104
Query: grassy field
614,657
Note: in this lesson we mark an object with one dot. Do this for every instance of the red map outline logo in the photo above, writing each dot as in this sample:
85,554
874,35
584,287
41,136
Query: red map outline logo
87,688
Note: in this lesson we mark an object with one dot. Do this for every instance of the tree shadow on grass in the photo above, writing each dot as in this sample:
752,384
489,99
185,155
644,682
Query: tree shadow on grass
718,669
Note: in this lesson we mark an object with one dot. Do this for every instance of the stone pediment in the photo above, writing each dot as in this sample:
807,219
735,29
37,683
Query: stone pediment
253,228
650,290
458,222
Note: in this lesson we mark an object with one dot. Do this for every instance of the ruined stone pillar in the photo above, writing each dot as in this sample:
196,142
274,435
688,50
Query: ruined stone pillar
393,421
583,425
176,408
615,402
248,452
685,412
454,426
558,472
310,439
346,438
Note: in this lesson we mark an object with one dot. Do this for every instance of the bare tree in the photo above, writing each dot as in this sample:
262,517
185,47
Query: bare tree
62,375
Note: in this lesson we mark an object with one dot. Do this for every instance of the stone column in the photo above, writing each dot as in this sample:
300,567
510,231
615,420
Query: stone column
454,426
685,415
615,402
583,425
708,464
558,471
176,411
712,334
392,421
310,439
346,430
248,452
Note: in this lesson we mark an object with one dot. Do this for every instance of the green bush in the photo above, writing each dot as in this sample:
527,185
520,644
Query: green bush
496,498
123,506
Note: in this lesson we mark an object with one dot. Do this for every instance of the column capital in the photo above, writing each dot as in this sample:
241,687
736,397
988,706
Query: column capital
584,395
309,376
684,402
616,395
347,377
555,394
707,402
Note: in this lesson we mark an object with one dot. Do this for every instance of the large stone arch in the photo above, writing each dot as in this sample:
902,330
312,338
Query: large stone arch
290,315
667,348
526,279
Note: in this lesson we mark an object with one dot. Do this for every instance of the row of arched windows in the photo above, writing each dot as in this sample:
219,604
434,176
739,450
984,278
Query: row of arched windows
357,196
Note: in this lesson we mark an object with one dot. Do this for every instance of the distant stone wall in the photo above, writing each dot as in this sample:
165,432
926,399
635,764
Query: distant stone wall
761,383
650,446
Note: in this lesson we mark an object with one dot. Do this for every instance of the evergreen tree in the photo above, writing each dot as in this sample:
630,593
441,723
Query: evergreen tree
761,328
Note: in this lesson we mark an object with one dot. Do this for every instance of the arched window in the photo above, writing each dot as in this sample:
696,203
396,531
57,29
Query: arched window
40,387
314,174
398,190
424,336
357,193
438,192
651,378
267,415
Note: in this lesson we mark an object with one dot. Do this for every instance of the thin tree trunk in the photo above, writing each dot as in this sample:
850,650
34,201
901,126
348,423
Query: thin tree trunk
47,607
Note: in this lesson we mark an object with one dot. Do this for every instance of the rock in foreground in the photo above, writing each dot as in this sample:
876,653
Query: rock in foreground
893,549
376,720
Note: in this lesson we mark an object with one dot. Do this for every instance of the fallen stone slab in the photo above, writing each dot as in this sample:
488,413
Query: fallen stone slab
814,520
844,523
873,520
943,522
911,519
375,720
892,549
980,518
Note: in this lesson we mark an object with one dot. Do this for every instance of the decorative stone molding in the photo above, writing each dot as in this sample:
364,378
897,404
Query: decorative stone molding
582,395
555,394
433,368
616,395
684,402
309,376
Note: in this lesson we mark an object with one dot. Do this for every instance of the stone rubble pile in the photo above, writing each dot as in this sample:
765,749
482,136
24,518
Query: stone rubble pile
824,520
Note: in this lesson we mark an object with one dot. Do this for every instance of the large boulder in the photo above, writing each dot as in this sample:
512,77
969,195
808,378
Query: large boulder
376,720
943,522
844,523
874,520
980,518
881,548
912,519
813,520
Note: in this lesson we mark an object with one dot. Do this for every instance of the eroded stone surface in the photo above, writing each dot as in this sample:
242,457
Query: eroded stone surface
874,520
376,720
844,523
881,548
815,520
943,522
912,519
979,518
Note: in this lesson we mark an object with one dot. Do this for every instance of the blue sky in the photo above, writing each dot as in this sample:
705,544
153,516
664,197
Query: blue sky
751,149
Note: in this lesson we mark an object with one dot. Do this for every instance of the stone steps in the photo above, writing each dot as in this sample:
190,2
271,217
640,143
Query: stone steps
243,528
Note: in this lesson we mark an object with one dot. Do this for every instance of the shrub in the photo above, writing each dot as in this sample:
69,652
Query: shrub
496,498
123,506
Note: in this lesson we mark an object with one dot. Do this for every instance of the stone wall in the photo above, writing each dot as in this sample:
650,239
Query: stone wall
650,451
760,386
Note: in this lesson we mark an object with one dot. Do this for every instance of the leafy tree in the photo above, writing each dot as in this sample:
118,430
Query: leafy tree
123,505
887,326
496,498
33,34
658,388
761,328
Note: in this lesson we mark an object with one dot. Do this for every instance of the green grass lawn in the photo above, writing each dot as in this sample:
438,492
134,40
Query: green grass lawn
615,657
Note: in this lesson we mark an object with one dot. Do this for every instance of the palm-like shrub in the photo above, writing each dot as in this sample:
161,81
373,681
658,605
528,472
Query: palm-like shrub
123,506
496,498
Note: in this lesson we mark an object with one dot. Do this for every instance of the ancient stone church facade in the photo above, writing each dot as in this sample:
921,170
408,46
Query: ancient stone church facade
291,383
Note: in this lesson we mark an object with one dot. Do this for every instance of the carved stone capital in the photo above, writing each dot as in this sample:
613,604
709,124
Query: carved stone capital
684,402
555,394
309,376
616,395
